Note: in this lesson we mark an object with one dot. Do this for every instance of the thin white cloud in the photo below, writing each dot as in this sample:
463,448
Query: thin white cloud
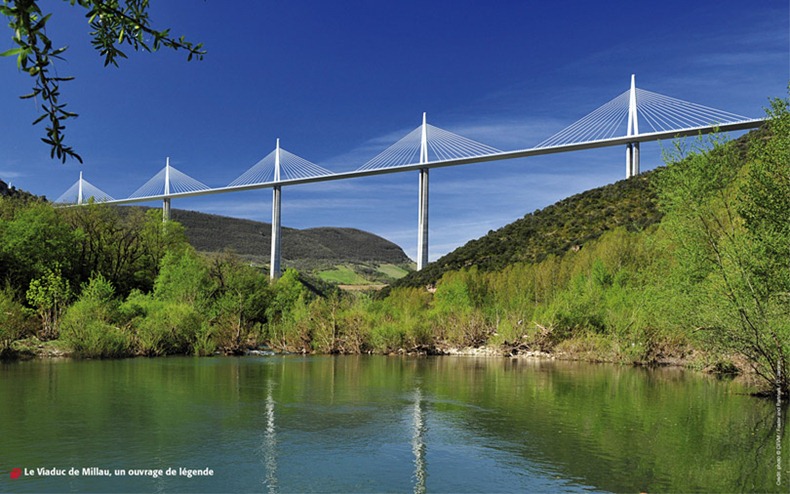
7,175
739,59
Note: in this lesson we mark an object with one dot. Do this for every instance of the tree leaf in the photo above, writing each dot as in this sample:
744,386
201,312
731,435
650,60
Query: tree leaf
12,52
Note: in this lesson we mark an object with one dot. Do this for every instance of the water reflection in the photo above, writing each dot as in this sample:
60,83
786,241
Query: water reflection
270,442
418,446
363,424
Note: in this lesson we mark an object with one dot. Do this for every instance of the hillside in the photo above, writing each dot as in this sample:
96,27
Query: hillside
309,250
552,230
6,191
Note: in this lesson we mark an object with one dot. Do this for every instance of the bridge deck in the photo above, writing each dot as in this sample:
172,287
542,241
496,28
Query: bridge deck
504,155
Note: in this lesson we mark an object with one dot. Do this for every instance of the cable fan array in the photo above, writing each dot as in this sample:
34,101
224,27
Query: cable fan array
661,113
655,112
89,191
292,167
179,182
664,113
442,145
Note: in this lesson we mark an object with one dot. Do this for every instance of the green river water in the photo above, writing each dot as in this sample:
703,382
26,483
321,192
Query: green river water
381,424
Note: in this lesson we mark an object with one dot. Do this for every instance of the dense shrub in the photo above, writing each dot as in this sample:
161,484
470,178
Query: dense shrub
15,321
90,324
161,327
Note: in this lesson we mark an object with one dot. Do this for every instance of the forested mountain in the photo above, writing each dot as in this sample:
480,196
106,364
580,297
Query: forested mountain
303,249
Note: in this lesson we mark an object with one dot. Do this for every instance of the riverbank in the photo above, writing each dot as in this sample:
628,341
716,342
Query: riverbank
578,350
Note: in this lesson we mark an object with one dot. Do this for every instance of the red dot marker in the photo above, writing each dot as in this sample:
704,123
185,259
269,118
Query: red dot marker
15,473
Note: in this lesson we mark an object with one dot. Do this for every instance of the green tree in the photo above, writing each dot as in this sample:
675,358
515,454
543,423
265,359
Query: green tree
764,269
35,240
288,314
49,294
157,239
125,245
240,297
183,277
288,293
113,23
452,294
730,224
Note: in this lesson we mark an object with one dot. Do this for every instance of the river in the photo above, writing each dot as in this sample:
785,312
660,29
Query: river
376,423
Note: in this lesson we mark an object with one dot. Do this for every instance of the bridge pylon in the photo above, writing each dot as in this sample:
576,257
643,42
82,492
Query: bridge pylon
632,148
166,200
80,190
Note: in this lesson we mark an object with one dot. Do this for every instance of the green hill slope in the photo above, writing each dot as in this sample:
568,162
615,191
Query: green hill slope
555,229
13,192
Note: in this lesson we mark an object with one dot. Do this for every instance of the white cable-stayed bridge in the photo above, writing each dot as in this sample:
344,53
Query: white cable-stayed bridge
616,123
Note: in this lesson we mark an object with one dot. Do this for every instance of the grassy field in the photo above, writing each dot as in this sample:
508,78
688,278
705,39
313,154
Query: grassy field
392,271
362,274
342,275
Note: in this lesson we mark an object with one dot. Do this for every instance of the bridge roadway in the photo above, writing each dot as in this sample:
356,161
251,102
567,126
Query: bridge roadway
504,155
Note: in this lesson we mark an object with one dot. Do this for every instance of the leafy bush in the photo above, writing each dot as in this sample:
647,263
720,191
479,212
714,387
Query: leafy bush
15,322
387,337
96,339
89,325
161,327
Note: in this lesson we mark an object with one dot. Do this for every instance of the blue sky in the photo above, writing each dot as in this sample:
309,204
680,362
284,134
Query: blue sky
338,82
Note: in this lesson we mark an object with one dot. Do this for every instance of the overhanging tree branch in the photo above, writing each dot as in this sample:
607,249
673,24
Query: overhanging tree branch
114,23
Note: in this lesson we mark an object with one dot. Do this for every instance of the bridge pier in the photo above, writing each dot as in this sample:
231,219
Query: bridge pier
274,264
422,213
631,159
422,223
